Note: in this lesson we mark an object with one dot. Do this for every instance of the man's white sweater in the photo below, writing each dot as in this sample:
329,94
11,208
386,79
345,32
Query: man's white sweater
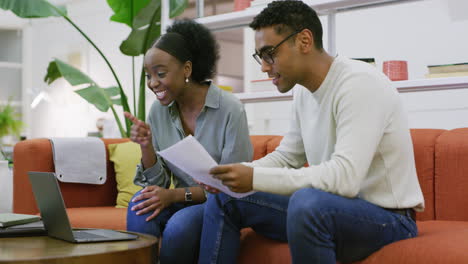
353,132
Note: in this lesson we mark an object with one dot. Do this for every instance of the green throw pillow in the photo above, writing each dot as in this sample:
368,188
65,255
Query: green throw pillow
126,156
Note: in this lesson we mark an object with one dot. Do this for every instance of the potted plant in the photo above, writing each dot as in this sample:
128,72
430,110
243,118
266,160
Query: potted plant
142,16
10,124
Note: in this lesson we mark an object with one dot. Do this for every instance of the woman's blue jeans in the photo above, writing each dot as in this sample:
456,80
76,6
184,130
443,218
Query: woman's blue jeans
320,227
179,225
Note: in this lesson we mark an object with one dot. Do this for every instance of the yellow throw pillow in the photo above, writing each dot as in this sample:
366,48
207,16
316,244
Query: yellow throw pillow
126,156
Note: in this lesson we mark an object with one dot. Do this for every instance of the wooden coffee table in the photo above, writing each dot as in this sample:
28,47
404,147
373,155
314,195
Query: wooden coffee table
39,248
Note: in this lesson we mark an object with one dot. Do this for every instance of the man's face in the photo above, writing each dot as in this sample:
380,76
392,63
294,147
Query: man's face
278,61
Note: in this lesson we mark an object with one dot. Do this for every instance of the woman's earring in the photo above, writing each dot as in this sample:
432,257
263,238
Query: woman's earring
186,80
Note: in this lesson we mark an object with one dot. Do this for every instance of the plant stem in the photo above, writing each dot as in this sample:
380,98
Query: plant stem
133,84
2,153
122,131
142,96
133,63
123,97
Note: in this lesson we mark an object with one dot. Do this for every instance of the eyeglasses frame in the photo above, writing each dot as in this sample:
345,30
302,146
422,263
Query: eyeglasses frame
271,51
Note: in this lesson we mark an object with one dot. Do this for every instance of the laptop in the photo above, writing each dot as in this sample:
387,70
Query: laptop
54,216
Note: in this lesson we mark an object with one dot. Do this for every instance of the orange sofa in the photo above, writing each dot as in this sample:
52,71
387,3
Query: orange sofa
441,162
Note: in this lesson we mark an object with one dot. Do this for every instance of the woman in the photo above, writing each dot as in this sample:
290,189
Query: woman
178,67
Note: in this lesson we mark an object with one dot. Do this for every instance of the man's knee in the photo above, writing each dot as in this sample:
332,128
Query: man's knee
307,201
217,201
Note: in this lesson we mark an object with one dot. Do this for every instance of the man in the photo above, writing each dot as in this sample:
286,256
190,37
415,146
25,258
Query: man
361,188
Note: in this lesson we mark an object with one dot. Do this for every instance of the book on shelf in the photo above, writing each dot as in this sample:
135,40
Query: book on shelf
368,60
446,74
448,68
11,219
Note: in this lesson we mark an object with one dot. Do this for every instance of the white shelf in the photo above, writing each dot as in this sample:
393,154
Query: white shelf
327,6
230,20
12,103
266,96
421,85
434,84
322,7
10,65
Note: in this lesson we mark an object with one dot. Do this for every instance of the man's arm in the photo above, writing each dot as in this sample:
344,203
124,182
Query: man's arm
361,113
289,153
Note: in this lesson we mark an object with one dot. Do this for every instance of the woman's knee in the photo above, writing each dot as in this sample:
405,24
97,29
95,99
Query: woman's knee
186,222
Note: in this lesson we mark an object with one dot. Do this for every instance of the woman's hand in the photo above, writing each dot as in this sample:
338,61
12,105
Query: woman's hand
140,132
156,198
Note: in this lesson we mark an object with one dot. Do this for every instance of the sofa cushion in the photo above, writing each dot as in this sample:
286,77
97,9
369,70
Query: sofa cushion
273,143
125,156
438,242
424,152
259,249
451,175
107,217
259,144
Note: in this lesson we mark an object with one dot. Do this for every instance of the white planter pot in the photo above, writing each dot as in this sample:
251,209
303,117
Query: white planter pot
6,187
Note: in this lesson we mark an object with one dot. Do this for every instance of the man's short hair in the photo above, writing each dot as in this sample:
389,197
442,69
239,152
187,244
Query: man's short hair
288,16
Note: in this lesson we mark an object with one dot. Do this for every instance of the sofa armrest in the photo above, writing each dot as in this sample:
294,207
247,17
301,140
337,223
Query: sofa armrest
36,155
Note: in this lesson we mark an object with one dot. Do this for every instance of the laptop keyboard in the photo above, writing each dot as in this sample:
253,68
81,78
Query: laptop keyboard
84,235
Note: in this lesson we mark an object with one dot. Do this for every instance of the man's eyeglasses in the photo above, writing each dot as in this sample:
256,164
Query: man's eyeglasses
267,54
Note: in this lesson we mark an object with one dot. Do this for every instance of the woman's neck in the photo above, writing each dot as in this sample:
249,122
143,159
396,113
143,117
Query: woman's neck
193,99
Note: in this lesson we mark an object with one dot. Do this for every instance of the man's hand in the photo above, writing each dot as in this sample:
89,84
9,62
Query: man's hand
208,188
237,177
140,131
157,199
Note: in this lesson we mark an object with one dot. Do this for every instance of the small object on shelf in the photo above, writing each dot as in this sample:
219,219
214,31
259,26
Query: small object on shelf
448,68
11,219
226,88
396,70
368,60
447,74
241,4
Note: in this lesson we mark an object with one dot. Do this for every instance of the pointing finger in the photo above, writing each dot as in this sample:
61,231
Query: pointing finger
132,118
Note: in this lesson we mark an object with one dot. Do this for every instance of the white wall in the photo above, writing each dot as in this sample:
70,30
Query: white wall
65,114
423,32
229,72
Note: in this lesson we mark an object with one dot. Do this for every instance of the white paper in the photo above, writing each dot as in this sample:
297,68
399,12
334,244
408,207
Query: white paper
190,156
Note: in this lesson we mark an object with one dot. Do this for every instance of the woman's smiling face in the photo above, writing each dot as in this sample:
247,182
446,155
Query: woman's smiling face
165,75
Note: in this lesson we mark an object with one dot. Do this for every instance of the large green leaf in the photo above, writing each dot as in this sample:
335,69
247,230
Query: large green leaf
136,45
114,94
123,10
58,69
101,98
32,8
177,7
97,96
146,26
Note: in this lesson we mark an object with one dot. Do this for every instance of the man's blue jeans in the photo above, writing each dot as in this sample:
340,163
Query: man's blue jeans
321,227
179,225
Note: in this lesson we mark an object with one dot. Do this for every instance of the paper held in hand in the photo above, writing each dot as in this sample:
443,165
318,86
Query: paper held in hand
190,156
